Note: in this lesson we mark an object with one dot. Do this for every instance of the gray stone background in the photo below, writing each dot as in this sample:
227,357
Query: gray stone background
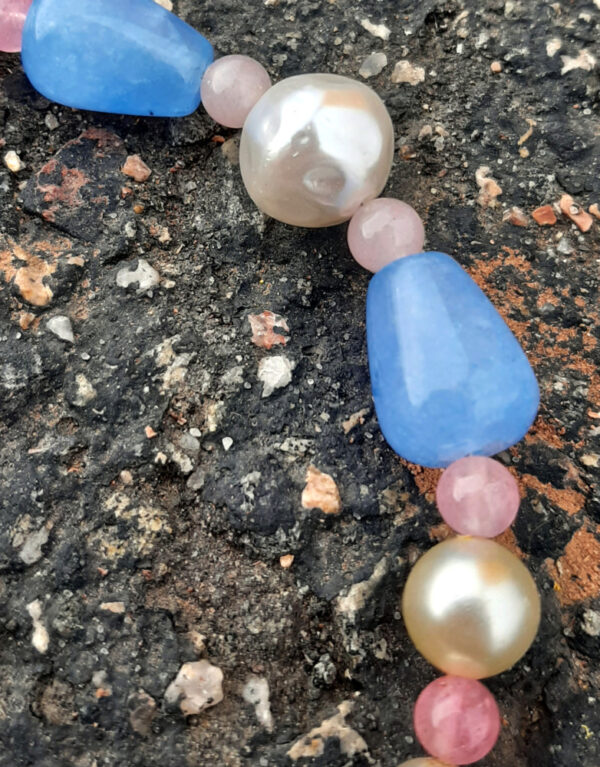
149,489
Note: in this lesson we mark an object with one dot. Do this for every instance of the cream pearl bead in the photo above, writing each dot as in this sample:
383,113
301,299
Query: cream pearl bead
314,148
471,607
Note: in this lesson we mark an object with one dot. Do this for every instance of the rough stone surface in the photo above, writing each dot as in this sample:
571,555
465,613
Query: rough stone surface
94,512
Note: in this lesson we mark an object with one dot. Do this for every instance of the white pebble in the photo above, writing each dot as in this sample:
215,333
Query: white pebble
32,548
227,443
85,391
197,686
405,72
145,275
61,326
377,30
373,65
13,162
51,121
256,692
40,638
274,373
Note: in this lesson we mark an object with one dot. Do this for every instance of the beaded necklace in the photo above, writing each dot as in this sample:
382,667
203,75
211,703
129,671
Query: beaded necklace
450,383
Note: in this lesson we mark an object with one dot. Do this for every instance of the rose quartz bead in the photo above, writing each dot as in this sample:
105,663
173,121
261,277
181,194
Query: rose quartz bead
231,86
12,19
478,496
383,230
456,720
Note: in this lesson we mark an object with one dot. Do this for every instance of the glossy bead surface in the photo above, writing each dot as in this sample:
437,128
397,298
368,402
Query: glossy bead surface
383,230
12,19
231,86
457,720
130,57
471,607
478,496
314,148
449,379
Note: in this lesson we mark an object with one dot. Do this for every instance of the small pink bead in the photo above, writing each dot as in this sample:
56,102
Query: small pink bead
478,496
12,19
456,720
231,86
383,230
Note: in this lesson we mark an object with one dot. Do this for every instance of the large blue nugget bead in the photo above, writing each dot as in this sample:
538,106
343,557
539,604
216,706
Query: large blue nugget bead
449,379
124,56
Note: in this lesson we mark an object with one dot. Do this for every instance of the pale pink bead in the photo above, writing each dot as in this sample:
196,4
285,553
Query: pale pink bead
12,19
456,720
383,230
231,86
478,496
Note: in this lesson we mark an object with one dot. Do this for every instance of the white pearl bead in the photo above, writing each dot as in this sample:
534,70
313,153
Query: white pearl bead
471,607
314,148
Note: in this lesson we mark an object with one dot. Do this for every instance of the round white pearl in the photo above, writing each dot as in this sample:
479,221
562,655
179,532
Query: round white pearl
314,148
471,607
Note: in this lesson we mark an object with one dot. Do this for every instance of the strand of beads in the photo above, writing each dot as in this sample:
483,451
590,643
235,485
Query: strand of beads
439,382
450,382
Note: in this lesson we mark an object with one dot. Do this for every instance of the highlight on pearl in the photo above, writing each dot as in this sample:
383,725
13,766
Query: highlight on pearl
457,720
314,148
471,607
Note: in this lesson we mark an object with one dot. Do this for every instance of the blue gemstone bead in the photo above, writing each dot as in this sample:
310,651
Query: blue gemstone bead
449,379
124,56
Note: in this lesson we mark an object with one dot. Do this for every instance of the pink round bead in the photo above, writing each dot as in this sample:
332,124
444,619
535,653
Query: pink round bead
456,720
12,19
231,86
383,230
478,496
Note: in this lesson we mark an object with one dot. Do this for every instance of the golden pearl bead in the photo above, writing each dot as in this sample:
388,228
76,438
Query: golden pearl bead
471,607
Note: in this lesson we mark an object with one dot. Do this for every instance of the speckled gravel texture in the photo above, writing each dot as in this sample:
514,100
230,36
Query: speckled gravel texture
106,496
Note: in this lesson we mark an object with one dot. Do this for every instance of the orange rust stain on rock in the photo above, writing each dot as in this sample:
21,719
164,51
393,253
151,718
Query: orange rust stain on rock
577,573
6,265
566,499
547,296
105,139
29,265
542,431
26,320
589,341
67,192
594,390
508,540
30,281
426,479
440,532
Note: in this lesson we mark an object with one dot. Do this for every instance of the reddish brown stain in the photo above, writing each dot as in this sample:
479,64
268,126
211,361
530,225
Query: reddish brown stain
67,192
28,265
508,540
543,431
547,296
577,573
566,499
425,479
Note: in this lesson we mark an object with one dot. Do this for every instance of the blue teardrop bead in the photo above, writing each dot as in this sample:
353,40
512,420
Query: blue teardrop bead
449,379
124,56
